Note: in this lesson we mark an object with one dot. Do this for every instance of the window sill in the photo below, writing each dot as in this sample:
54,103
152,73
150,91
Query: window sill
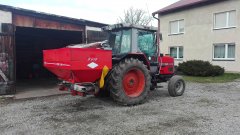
176,34
222,59
225,28
178,59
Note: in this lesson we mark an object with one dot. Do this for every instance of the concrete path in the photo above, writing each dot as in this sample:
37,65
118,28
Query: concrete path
37,88
39,93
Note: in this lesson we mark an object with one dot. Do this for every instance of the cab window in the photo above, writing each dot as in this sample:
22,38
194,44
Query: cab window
126,41
146,43
120,41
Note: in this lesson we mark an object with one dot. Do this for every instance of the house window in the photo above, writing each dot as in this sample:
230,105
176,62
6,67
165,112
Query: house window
224,52
225,19
176,52
177,27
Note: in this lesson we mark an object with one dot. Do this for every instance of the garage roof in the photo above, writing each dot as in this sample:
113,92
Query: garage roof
48,16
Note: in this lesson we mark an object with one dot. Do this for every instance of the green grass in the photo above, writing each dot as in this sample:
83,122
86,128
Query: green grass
227,77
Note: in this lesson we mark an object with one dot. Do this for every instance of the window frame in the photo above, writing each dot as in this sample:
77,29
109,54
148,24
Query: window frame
178,48
227,20
178,22
226,52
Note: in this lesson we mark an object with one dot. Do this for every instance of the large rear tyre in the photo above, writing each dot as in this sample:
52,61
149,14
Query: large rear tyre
129,82
176,86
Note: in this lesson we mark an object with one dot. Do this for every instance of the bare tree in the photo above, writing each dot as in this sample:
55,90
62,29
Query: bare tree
135,16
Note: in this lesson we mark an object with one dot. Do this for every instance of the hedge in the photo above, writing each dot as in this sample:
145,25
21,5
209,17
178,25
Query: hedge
200,68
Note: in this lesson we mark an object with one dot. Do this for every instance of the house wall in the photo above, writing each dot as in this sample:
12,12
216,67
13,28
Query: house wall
199,35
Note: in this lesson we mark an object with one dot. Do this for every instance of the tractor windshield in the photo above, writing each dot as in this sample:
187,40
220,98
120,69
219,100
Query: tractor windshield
123,41
120,41
147,43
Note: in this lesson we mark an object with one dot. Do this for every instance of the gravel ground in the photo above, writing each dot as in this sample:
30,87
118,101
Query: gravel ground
204,109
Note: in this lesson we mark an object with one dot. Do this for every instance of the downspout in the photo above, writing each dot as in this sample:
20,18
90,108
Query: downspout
158,41
158,33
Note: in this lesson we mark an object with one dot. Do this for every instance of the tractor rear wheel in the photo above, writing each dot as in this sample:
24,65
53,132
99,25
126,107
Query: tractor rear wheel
129,82
176,86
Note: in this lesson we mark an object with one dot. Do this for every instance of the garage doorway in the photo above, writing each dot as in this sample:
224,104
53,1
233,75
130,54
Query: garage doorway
31,76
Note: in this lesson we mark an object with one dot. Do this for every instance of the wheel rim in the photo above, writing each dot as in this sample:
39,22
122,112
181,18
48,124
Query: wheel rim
133,83
179,86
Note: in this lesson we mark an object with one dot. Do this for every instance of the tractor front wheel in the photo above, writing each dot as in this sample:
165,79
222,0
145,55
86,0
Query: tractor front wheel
129,82
176,86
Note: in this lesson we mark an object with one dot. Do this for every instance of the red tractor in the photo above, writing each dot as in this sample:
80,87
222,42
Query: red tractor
127,65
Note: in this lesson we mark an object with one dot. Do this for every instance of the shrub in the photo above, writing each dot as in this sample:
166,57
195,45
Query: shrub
217,70
200,68
177,71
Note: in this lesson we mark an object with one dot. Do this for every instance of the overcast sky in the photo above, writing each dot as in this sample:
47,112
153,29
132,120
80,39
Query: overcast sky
104,11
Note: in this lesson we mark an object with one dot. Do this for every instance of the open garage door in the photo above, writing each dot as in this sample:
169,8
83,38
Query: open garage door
7,59
30,43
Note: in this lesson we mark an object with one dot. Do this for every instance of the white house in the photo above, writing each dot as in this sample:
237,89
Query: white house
202,30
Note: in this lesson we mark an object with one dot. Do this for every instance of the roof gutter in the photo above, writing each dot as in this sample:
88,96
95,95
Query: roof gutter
186,6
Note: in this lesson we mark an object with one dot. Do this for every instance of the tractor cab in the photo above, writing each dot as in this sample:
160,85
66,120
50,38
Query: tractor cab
132,40
127,40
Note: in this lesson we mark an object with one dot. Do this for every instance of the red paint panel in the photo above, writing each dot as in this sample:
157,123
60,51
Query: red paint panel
167,65
77,64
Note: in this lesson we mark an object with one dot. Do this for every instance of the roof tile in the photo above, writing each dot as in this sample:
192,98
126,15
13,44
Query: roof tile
179,4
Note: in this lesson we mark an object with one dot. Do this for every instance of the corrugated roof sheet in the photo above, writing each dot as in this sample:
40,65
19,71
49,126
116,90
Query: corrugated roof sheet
182,4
